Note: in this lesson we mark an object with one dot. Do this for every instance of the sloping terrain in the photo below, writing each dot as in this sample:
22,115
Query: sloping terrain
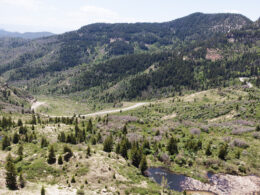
36,62
13,99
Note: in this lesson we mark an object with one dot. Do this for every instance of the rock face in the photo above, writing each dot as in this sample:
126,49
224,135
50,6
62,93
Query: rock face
226,184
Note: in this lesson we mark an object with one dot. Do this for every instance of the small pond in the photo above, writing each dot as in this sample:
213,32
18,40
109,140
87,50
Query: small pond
174,181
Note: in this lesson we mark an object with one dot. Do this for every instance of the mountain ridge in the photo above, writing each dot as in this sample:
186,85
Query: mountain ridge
26,35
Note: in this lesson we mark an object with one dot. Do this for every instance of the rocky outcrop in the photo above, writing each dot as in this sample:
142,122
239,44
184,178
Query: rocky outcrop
225,184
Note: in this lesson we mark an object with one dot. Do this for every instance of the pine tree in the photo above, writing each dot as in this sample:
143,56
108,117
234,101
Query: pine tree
136,156
172,146
62,137
90,126
208,150
19,123
118,148
51,156
108,144
223,151
143,165
60,161
33,122
11,173
44,142
124,130
73,179
257,128
16,138
21,181
43,191
88,151
76,130
20,151
5,143
123,149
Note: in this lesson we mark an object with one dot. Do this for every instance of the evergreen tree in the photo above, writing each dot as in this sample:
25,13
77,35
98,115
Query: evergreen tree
123,148
20,151
19,123
21,180
22,130
118,148
73,180
208,150
5,143
88,151
143,165
51,156
44,142
16,138
125,130
108,144
172,146
43,191
257,128
33,121
60,161
90,126
223,151
76,130
62,137
136,156
11,173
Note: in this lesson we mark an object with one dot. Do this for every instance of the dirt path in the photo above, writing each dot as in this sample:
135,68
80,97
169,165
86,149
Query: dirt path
37,104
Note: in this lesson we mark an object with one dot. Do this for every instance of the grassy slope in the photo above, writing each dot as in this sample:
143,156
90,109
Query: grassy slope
214,109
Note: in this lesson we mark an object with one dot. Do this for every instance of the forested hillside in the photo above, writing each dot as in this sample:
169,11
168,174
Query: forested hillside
143,60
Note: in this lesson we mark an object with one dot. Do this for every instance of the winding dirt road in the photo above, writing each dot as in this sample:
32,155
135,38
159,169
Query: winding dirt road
37,104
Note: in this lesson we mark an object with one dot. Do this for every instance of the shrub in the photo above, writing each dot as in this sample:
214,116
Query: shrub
80,192
240,143
256,135
195,131
180,160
